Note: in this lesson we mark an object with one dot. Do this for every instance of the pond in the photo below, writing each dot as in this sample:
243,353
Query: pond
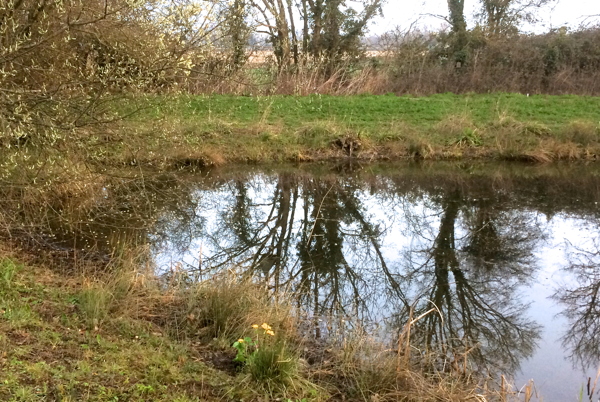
500,263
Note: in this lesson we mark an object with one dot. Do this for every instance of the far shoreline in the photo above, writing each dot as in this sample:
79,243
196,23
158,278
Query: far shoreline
204,130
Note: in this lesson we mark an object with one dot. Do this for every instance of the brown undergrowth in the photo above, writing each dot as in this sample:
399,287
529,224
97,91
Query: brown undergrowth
455,137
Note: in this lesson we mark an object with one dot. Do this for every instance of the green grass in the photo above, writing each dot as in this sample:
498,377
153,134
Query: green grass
187,130
369,112
47,351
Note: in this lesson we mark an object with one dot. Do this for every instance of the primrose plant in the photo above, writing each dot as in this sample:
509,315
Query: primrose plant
247,347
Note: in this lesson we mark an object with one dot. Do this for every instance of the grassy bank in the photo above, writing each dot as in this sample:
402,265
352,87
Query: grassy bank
123,336
218,129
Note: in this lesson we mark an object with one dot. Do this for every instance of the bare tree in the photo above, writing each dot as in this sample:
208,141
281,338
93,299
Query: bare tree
330,29
276,23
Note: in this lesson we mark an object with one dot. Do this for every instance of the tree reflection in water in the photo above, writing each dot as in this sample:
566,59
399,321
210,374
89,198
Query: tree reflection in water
334,243
307,236
367,247
470,271
581,302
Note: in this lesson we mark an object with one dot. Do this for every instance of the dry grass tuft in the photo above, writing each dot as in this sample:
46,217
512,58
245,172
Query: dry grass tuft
582,132
225,308
360,367
535,128
455,125
420,149
562,150
193,159
318,134
538,156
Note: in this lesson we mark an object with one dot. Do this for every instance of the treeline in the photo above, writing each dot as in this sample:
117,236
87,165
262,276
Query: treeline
63,61
557,62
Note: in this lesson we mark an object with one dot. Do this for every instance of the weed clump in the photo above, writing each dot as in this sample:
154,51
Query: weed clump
537,129
223,309
420,149
95,303
582,132
274,365
455,125
318,135
8,269
470,138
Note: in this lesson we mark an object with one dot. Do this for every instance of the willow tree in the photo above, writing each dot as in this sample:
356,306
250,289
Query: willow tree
61,60
43,66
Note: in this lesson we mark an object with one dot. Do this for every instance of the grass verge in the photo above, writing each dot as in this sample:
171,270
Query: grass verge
84,337
186,130
190,132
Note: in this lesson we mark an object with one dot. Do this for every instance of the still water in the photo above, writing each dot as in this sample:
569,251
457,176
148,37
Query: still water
503,262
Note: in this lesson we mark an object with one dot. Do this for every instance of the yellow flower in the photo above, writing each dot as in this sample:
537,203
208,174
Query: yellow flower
270,332
266,327
255,326
240,340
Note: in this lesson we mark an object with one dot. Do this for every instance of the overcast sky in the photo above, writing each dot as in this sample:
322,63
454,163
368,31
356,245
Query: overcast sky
402,12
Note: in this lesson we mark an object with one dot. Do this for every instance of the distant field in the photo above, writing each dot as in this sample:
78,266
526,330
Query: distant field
367,111
263,56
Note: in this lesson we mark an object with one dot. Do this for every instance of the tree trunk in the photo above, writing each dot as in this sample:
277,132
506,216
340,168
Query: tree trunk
293,29
459,30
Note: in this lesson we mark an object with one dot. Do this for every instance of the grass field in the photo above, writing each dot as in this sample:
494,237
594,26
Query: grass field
367,112
51,351
219,128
